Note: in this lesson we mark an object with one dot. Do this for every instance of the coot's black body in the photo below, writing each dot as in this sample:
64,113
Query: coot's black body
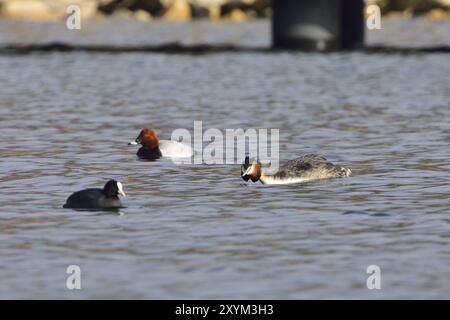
93,198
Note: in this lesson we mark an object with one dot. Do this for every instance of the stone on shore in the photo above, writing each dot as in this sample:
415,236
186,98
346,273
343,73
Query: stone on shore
179,10
438,14
142,15
237,15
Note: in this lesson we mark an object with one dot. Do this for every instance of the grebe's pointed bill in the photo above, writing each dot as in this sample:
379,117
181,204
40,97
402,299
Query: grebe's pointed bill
248,171
133,143
120,187
244,168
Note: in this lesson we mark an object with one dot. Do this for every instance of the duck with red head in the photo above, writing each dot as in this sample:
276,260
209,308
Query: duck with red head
153,148
150,145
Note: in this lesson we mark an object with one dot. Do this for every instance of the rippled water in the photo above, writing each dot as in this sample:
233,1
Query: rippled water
197,231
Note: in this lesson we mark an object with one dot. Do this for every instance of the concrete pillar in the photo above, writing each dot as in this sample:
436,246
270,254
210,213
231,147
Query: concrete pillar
318,25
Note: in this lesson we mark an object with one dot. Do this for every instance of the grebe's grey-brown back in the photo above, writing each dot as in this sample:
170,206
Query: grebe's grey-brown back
305,168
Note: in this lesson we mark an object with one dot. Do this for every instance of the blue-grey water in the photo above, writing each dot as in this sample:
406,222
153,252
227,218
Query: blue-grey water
198,231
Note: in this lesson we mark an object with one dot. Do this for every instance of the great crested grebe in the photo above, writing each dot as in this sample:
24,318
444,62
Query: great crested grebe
305,168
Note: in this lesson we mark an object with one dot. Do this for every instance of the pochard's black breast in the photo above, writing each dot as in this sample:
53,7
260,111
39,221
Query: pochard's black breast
144,153
92,198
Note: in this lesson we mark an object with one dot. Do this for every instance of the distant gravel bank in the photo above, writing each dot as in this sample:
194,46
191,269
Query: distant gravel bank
235,10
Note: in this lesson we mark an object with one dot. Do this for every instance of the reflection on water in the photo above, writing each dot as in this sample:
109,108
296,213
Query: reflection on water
199,231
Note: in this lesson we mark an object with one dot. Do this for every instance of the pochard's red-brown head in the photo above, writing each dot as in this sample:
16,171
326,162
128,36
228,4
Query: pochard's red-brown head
148,139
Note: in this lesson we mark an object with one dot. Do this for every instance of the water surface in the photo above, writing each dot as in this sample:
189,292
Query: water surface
198,231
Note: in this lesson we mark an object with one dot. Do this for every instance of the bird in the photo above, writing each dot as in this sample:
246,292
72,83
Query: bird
153,148
96,198
308,167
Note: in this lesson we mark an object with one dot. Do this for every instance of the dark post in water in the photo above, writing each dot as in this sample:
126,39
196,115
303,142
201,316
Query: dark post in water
318,25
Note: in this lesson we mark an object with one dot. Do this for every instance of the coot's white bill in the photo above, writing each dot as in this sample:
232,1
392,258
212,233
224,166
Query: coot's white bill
120,187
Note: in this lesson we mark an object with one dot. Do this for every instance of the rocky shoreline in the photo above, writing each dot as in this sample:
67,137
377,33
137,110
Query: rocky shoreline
235,10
